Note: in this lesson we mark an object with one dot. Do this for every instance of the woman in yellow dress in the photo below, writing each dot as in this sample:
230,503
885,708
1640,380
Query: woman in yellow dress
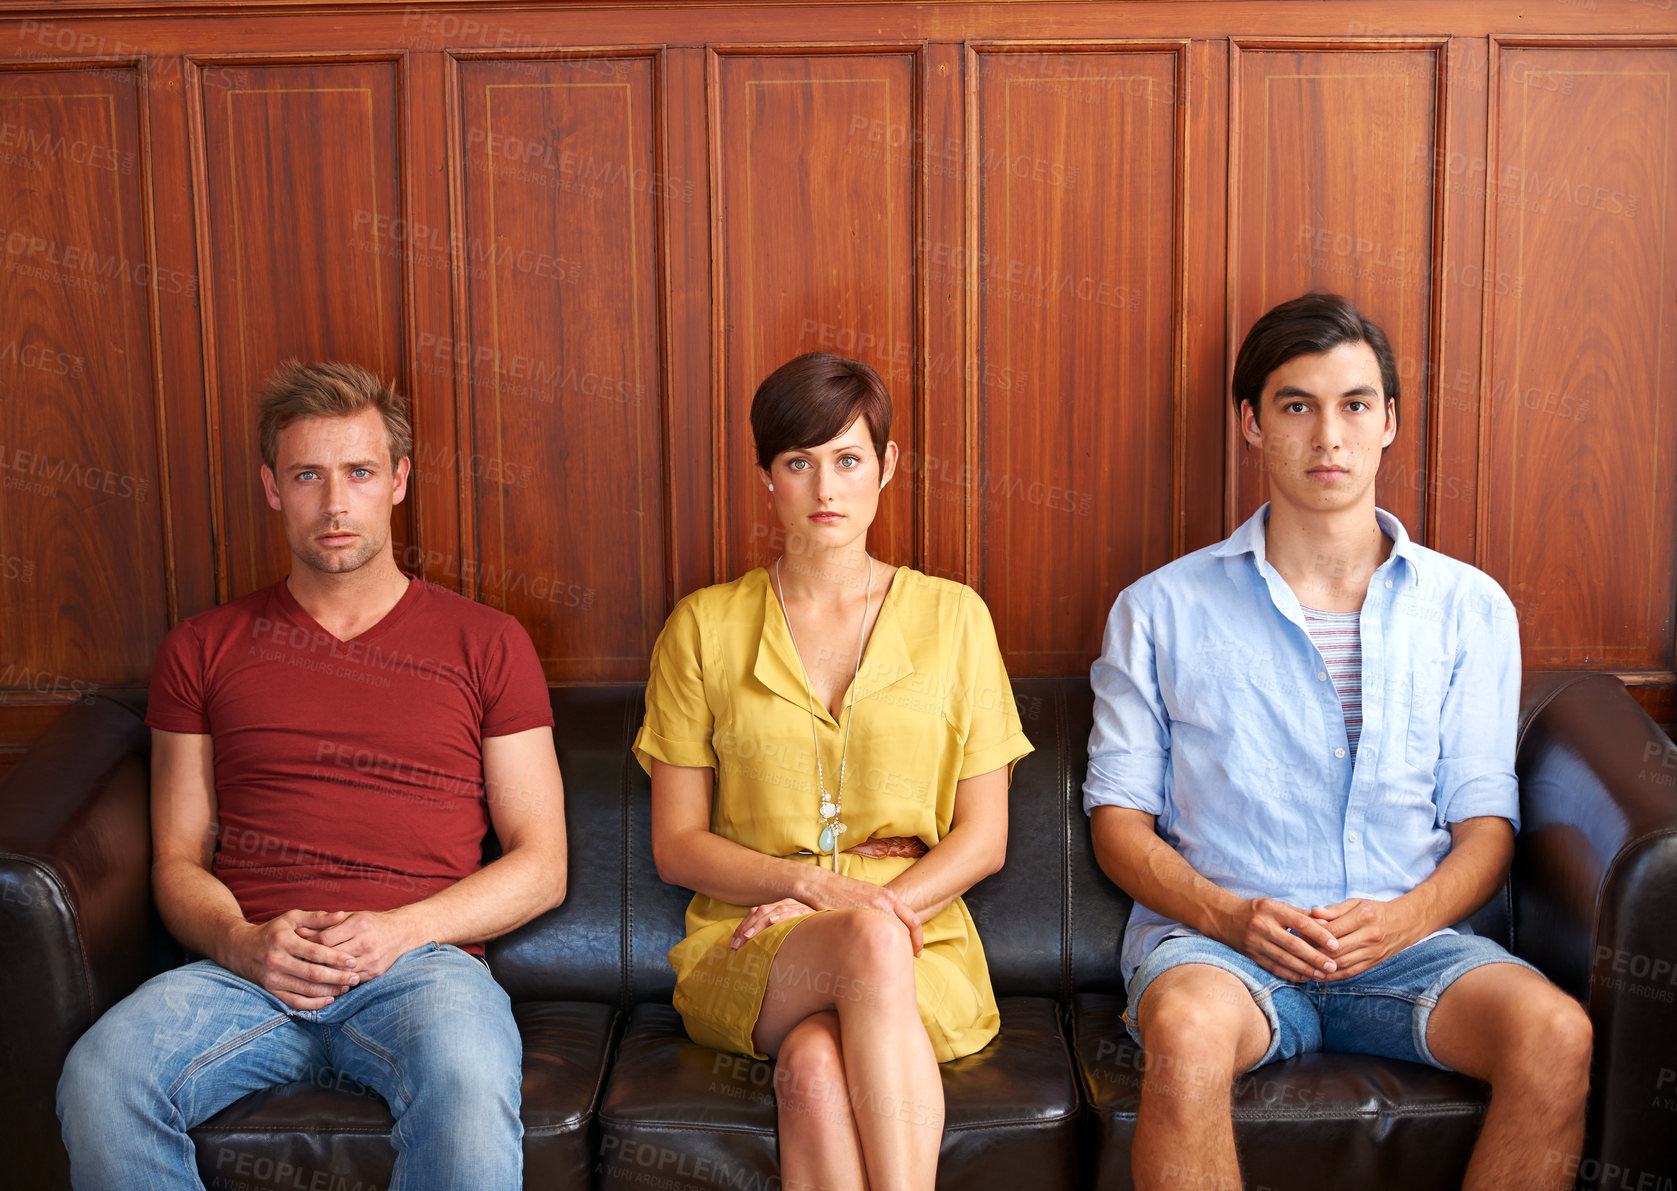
830,740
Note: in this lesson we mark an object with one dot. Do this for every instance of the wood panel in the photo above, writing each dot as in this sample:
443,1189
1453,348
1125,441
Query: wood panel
303,243
84,593
1334,190
1580,400
1073,269
304,181
563,181
815,160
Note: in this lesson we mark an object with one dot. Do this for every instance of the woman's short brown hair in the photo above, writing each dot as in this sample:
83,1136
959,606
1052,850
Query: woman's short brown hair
329,390
811,398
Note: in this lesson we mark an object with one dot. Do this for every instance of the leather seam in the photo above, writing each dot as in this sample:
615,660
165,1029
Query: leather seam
627,987
1386,1114
1067,921
768,1131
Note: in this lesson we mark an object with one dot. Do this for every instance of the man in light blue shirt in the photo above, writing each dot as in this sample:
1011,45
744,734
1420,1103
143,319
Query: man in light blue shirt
1302,771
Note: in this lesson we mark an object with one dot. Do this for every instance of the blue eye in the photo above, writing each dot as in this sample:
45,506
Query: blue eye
362,471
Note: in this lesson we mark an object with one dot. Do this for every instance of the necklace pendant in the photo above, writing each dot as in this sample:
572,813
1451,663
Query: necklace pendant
828,840
828,810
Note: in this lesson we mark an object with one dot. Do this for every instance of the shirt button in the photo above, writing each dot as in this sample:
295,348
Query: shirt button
1352,836
1388,583
1339,752
1321,676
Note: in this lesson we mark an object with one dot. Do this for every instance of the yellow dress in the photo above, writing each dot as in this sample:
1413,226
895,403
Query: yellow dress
933,706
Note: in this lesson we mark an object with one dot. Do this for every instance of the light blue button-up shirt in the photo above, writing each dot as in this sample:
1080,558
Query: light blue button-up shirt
1214,712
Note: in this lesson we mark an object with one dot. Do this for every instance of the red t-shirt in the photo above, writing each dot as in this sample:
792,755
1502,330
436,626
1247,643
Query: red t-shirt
348,774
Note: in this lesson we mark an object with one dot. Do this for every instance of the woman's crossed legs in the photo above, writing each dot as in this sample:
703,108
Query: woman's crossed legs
860,1097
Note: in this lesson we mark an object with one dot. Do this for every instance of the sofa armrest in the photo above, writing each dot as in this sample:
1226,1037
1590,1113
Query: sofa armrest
74,910
1595,903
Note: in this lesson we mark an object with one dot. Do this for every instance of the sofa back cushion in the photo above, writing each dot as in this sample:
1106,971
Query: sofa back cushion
609,938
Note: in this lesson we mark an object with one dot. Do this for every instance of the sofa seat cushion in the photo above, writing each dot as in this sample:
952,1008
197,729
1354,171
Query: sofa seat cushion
336,1135
674,1110
1373,1123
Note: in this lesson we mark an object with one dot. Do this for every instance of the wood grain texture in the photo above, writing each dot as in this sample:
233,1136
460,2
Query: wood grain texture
563,184
305,243
731,184
1333,190
1580,401
1076,372
815,160
84,595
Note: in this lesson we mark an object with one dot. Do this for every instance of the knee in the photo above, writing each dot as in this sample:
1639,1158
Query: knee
877,945
477,1072
1551,1042
1190,1046
809,1078
96,1071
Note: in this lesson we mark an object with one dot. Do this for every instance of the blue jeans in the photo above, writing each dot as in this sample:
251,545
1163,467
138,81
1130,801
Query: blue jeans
433,1035
1382,1011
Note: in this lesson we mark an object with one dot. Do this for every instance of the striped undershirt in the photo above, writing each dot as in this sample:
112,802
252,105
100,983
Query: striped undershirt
1339,638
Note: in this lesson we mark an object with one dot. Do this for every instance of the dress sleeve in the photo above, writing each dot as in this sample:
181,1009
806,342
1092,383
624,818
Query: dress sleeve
677,728
983,709
177,702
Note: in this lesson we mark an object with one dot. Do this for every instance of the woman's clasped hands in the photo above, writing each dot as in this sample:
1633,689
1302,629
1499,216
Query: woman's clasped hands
830,891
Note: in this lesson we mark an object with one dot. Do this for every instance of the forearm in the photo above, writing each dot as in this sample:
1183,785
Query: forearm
1156,875
200,912
730,872
497,898
960,860
1467,877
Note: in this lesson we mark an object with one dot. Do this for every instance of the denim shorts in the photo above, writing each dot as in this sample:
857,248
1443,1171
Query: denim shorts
1383,1011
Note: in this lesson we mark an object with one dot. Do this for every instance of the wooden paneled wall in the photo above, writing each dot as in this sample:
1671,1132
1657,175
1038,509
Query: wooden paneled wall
579,236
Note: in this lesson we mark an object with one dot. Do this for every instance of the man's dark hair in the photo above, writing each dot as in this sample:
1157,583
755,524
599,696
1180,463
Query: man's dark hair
811,398
1306,326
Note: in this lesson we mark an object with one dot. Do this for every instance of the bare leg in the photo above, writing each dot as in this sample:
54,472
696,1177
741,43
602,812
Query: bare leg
861,958
820,1149
1199,1026
1531,1042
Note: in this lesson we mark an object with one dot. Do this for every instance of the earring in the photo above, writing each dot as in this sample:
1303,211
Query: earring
771,485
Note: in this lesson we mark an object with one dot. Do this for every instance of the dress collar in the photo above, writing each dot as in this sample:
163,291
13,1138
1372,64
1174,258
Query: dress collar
886,659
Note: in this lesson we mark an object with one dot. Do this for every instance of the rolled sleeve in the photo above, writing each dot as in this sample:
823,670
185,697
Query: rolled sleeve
1478,728
992,734
1129,748
679,720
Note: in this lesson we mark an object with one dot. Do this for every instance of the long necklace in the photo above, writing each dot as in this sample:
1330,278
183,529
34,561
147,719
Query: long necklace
831,808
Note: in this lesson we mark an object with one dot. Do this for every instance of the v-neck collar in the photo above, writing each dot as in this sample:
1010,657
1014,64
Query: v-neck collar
885,658
378,629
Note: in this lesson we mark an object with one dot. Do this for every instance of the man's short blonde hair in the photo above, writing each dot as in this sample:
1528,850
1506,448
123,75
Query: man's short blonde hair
329,389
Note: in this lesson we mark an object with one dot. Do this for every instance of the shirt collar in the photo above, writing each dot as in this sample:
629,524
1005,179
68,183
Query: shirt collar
1249,538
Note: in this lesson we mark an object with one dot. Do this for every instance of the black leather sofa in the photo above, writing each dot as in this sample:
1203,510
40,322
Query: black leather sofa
615,1096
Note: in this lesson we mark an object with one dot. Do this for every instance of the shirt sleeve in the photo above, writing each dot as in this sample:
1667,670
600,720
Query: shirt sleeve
177,702
1129,747
993,735
515,695
679,721
1480,717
